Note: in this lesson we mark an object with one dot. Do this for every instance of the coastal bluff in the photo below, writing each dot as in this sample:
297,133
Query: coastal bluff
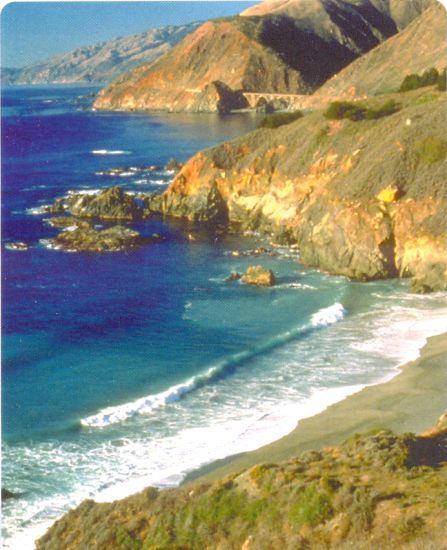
366,199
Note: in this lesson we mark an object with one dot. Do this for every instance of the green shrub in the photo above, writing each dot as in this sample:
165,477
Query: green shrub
442,81
338,110
431,149
413,81
312,507
279,119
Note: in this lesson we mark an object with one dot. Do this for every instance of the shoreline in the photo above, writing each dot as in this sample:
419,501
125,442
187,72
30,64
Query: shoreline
411,401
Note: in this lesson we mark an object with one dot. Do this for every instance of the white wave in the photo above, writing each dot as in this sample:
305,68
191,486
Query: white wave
125,174
109,152
328,315
38,210
146,405
83,192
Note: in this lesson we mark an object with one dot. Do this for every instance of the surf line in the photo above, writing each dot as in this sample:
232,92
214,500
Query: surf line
145,405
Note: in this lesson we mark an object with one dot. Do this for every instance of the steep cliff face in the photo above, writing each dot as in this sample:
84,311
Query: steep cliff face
420,46
365,199
275,53
101,62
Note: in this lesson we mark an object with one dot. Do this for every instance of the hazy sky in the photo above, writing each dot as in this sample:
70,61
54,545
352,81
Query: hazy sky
33,31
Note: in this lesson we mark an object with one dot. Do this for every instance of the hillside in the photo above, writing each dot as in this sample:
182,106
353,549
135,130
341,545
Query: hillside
361,198
401,12
102,62
273,53
420,46
374,491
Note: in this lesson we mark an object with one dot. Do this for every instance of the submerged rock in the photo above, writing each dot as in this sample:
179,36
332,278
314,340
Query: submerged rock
7,494
107,240
259,276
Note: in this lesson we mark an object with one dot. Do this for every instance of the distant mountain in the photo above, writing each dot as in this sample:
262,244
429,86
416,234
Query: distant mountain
102,62
420,46
271,53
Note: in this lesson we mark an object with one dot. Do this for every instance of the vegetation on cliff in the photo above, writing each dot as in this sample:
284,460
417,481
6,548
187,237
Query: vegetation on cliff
378,490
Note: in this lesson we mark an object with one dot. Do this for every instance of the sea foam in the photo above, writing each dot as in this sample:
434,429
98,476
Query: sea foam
109,152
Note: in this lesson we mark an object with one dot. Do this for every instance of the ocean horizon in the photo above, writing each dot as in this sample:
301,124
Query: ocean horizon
134,368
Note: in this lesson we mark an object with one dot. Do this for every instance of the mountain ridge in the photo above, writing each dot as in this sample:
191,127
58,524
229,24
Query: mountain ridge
101,62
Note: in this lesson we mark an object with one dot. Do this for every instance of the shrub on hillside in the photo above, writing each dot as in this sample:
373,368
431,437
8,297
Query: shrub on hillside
279,119
338,110
442,81
431,149
413,81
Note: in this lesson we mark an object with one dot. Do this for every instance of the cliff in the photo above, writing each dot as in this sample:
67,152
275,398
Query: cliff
361,198
272,53
420,46
374,491
101,62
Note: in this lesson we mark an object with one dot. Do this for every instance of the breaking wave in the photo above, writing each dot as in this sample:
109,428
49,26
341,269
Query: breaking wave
145,405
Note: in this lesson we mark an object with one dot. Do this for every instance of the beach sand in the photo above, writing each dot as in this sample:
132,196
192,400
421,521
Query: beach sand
411,402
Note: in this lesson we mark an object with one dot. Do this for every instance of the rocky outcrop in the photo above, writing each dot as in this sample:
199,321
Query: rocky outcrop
220,98
365,199
273,53
374,491
258,276
110,204
420,46
89,239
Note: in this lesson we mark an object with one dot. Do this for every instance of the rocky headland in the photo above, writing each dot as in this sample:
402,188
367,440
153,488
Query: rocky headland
278,51
361,198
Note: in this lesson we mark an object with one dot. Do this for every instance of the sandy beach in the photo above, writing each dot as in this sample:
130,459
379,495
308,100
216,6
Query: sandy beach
412,401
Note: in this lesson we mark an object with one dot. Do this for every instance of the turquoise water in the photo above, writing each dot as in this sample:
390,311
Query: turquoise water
133,368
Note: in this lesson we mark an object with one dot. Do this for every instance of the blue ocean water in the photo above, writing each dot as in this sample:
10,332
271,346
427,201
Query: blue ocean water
132,368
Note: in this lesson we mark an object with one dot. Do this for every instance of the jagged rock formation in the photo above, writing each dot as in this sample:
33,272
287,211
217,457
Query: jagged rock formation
420,46
365,199
102,62
374,491
273,53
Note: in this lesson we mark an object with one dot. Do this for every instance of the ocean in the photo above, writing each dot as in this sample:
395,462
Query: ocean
127,369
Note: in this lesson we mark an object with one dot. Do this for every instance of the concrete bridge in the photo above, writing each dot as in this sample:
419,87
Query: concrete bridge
295,101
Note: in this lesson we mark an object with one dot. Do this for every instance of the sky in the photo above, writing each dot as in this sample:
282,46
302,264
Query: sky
34,31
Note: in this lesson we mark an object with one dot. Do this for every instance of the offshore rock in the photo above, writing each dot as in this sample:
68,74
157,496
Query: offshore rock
259,276
110,204
18,245
89,239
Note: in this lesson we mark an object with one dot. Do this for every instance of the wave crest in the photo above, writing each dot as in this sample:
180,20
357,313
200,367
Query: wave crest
112,415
